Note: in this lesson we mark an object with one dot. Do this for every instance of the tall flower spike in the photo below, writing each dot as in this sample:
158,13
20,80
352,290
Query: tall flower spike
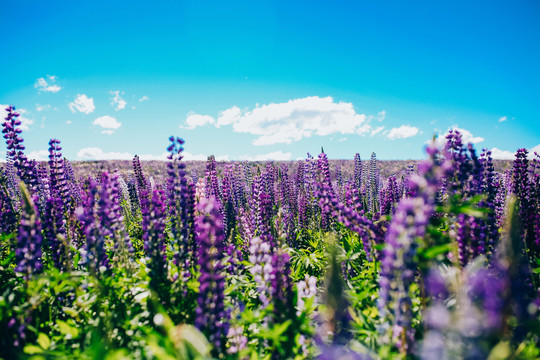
357,180
211,315
153,213
28,251
54,231
95,234
27,170
398,266
181,203
8,210
58,182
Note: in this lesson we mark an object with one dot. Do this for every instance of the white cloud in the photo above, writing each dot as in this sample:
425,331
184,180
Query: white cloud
43,107
48,85
509,155
162,156
144,98
222,158
108,123
276,155
342,139
40,155
402,132
291,121
83,104
502,154
190,156
503,119
229,116
381,115
466,137
25,122
194,120
116,101
94,153
376,130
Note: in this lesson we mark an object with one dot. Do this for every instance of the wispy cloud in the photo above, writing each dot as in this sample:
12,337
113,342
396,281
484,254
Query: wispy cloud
43,107
194,120
501,154
376,130
290,121
117,102
402,132
95,153
144,98
82,103
40,155
276,155
108,123
47,85
503,119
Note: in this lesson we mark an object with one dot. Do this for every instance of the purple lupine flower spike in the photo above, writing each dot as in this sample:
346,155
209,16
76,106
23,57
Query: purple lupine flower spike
89,215
211,315
154,217
28,250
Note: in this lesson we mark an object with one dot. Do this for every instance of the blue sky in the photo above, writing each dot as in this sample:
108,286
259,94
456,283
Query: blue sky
271,79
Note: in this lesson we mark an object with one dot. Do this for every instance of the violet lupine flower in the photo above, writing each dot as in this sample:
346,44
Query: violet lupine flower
26,169
260,256
54,229
373,191
28,250
212,185
111,215
237,341
73,186
8,211
357,180
140,181
366,230
282,288
227,201
95,234
15,148
181,202
211,316
58,183
528,201
324,169
153,225
391,196
247,174
268,185
306,289
43,190
133,196
461,163
492,302
489,188
398,266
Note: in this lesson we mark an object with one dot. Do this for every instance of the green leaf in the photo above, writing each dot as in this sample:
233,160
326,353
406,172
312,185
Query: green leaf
434,251
44,341
32,349
71,312
67,330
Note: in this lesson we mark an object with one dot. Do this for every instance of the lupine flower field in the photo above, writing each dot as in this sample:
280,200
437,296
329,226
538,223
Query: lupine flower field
438,260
